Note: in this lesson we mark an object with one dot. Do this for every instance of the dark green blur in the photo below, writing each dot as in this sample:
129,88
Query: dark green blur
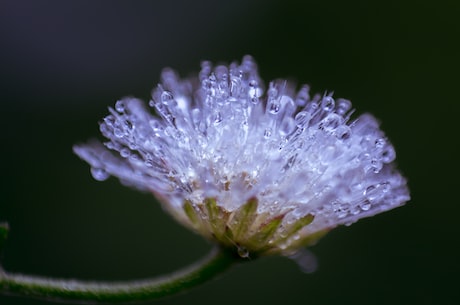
62,63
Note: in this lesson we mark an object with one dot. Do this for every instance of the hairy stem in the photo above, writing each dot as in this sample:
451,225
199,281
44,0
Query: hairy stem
109,292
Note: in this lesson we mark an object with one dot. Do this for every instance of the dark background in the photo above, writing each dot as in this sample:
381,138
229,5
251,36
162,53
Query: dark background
62,63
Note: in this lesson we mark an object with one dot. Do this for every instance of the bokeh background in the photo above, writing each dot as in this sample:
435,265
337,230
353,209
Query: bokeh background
62,63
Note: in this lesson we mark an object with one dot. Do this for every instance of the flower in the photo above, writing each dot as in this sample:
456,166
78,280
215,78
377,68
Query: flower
260,171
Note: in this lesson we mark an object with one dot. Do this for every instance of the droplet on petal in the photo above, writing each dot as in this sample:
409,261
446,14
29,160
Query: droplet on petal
99,174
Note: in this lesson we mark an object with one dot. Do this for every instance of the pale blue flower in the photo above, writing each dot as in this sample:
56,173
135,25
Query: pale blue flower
264,170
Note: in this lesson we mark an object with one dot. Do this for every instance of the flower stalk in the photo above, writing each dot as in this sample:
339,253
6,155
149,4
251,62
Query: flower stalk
77,291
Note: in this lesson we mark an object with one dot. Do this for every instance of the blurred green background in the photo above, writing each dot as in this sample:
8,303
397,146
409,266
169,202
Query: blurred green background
62,63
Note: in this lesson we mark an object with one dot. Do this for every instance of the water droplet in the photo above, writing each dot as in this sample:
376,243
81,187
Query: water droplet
385,186
132,144
377,191
218,118
128,125
99,174
340,209
388,154
254,91
105,130
354,210
343,106
369,189
282,232
380,143
302,118
376,165
365,205
166,97
268,133
120,106
287,126
125,152
255,100
134,158
243,252
328,104
343,132
148,163
311,107
118,132
273,106
109,120
330,122
235,85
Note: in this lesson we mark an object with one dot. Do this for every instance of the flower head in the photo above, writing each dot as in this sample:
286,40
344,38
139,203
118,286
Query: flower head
264,170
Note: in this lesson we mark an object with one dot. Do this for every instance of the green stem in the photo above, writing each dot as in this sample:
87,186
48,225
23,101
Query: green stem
107,292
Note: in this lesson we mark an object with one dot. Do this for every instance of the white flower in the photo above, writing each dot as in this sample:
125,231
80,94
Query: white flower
264,171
